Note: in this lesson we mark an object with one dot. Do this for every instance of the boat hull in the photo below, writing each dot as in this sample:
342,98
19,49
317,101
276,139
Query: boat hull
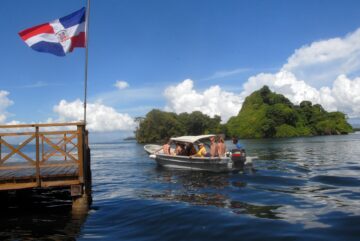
152,148
213,164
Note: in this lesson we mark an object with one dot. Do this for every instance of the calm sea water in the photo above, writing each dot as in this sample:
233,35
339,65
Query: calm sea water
299,189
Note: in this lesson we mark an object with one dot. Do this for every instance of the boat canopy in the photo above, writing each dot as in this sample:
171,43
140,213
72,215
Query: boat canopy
191,139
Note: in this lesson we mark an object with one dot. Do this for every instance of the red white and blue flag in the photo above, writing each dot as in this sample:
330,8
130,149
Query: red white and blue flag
58,37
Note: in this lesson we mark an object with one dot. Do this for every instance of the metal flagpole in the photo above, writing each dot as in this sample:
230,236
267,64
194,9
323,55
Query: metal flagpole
86,56
86,150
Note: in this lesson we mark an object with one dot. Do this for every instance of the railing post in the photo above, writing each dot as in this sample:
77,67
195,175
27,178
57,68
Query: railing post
37,156
87,163
80,130
42,150
65,147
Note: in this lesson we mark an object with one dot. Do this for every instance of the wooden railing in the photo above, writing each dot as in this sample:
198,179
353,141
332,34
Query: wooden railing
47,155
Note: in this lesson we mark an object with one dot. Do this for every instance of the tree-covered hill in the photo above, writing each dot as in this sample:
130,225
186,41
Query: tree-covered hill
266,114
159,125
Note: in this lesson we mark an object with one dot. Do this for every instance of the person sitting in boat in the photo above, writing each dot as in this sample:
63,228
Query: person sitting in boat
221,147
239,150
190,149
183,149
213,147
202,150
166,148
236,143
180,149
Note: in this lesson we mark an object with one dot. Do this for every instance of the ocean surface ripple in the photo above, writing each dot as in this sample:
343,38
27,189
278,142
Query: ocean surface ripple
299,189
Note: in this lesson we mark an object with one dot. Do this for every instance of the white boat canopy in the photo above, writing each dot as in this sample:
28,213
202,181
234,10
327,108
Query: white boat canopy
191,139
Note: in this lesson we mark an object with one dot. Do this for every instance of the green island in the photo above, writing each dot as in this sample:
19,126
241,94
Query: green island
264,114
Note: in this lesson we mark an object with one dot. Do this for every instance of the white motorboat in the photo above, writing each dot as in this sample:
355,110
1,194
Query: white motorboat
152,148
232,161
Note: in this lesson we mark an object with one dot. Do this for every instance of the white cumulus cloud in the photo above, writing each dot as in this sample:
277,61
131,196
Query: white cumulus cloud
346,93
283,82
321,62
99,117
212,101
5,102
120,84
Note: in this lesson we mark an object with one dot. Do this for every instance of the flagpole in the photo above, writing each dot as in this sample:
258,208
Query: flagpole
86,56
86,150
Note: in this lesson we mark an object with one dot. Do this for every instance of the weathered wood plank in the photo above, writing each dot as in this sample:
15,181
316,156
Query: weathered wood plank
48,133
15,186
45,171
59,183
14,166
44,125
16,134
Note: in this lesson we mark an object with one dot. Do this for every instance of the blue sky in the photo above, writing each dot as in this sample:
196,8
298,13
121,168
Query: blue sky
188,50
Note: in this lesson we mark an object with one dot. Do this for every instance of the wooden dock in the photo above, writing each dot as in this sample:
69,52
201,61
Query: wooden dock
45,155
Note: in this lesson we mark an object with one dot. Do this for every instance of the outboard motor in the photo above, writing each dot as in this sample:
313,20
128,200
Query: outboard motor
238,157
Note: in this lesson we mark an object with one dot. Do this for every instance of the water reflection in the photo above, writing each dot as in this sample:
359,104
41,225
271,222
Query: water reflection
207,189
39,215
193,180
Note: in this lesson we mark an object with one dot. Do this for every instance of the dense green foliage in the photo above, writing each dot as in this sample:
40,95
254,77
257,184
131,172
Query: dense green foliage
158,125
266,114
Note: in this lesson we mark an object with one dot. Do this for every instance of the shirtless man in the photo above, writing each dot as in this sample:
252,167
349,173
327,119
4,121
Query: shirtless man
166,148
221,146
213,147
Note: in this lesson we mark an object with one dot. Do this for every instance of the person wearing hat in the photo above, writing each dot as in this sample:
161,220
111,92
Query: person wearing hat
202,150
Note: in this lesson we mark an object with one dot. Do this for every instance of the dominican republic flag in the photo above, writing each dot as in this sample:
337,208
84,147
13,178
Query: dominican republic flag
58,37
